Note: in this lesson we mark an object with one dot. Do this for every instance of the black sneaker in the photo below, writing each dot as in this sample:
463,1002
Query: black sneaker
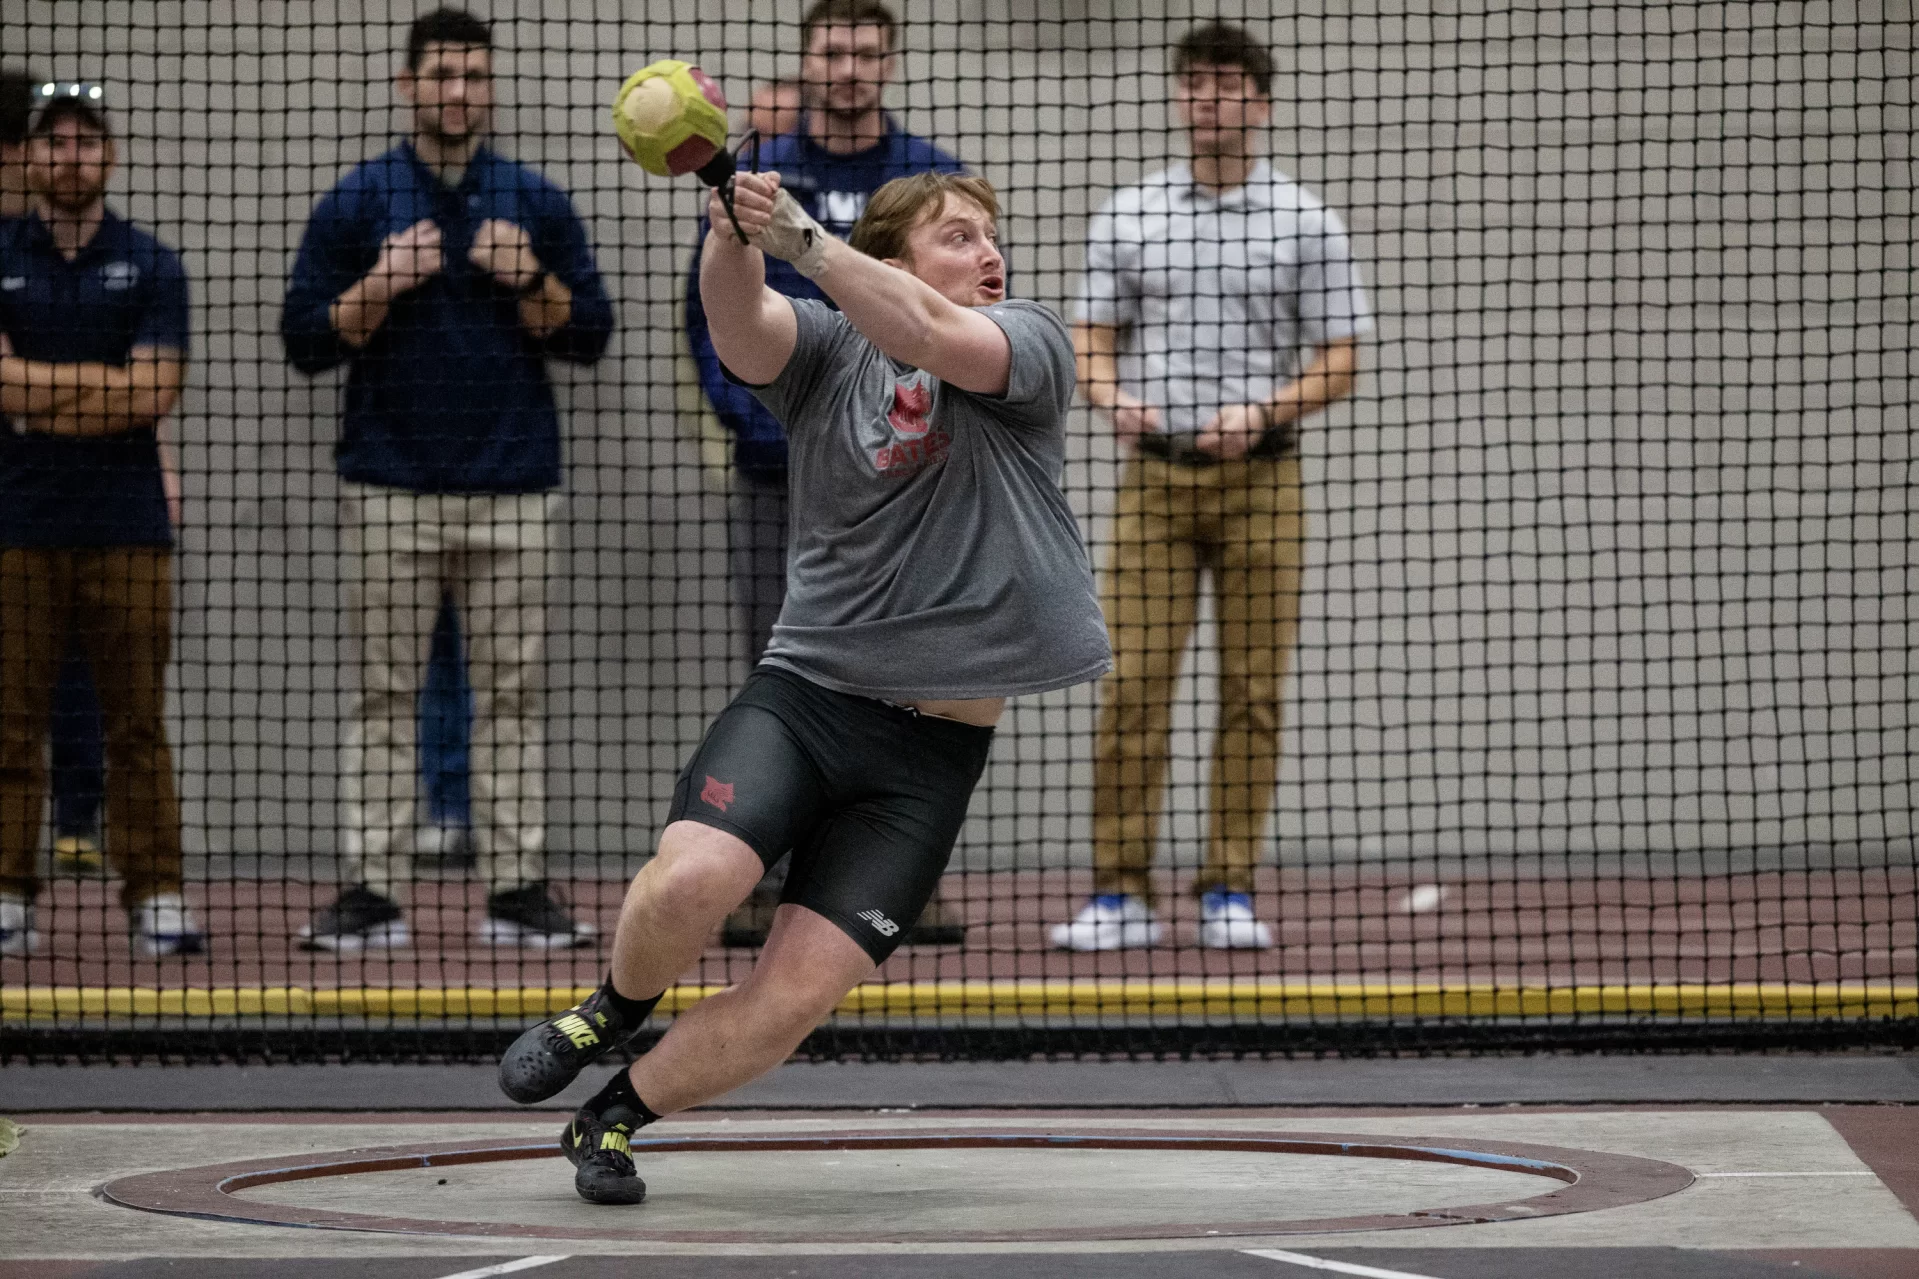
359,919
597,1146
529,916
545,1059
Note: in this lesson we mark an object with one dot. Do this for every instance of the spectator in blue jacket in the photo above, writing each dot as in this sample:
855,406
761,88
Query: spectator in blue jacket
445,276
845,148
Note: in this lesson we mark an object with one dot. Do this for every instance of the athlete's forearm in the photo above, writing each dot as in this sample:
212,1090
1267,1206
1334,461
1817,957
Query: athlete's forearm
752,327
909,320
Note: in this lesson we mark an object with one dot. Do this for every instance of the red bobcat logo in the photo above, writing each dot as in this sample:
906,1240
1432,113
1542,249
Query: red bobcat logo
911,404
717,793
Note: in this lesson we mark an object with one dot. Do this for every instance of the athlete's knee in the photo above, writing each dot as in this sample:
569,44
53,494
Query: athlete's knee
700,870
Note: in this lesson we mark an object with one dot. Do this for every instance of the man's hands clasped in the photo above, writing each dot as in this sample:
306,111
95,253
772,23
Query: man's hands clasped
501,249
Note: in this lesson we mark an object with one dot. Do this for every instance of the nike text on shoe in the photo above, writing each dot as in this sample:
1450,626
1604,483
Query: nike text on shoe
1110,921
529,916
1227,922
359,919
549,1056
17,935
163,925
599,1151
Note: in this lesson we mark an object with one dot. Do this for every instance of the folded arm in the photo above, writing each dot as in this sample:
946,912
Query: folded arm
91,399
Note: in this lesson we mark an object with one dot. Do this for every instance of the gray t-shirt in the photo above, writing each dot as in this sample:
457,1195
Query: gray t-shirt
932,553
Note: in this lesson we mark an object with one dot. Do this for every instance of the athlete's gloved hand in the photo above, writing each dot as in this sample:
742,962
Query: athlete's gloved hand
793,236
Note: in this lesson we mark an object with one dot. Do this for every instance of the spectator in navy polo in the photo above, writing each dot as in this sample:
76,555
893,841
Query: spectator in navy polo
93,350
445,276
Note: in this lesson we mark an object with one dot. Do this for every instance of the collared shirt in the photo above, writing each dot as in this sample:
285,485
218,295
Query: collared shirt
450,394
1222,293
124,290
834,189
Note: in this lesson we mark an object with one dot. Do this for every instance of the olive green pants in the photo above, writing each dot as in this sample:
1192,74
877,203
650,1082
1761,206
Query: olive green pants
118,600
1242,524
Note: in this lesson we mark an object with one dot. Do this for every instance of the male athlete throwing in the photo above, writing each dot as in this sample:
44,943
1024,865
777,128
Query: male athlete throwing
935,571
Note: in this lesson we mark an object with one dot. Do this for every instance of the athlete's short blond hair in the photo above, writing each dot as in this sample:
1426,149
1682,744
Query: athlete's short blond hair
904,203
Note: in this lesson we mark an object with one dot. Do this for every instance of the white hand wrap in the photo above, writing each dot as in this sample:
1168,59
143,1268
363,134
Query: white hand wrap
795,237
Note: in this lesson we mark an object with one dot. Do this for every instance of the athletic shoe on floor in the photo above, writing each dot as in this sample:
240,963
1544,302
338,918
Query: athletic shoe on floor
938,925
78,855
548,1057
163,925
1111,921
597,1146
1227,922
750,921
17,936
529,916
359,919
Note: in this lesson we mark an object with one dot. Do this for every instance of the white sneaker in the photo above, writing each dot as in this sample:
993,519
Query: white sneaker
163,925
17,936
1227,922
1111,921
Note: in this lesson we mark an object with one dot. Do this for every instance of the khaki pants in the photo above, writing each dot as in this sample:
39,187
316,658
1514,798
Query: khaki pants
118,603
1242,523
491,553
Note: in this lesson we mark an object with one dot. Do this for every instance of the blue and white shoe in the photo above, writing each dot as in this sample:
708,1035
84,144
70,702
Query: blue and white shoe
1110,921
1227,922
17,935
163,925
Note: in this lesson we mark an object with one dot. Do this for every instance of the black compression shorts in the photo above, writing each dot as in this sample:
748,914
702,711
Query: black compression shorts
868,797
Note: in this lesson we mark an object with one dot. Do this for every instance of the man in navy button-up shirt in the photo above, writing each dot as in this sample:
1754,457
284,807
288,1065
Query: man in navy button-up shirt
445,276
93,348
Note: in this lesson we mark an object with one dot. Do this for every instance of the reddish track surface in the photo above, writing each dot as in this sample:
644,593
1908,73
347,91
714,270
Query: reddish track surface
1753,927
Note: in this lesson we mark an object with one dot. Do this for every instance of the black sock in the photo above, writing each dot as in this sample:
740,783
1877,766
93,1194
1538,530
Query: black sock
618,1103
632,1011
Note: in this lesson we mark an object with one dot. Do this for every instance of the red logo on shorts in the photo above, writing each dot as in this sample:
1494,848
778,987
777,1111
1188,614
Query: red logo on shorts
910,407
717,793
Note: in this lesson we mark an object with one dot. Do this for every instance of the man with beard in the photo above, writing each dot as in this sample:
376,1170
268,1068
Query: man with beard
845,148
93,349
445,276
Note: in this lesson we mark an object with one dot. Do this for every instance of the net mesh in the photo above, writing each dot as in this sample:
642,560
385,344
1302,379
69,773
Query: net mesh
1597,728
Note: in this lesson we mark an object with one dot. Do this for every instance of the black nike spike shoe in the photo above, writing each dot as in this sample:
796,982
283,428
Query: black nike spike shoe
596,1145
547,1058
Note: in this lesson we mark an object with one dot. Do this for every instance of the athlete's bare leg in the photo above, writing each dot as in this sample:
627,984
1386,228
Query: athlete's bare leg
675,902
808,965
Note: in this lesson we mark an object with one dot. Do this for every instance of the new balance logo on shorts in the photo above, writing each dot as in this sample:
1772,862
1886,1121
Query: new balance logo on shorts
717,793
886,926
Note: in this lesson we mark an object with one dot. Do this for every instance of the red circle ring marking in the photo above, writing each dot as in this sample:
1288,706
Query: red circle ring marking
1594,1180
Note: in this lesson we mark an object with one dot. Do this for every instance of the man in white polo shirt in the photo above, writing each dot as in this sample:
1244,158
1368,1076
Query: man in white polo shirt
1220,306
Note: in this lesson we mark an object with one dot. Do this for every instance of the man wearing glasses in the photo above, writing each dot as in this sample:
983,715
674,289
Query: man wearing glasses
1220,307
445,276
844,147
93,350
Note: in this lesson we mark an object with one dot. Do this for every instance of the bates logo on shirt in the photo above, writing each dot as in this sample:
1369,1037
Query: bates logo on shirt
717,793
916,444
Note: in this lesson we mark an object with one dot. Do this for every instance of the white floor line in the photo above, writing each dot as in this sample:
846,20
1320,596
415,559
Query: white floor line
505,1267
1786,1174
1337,1267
